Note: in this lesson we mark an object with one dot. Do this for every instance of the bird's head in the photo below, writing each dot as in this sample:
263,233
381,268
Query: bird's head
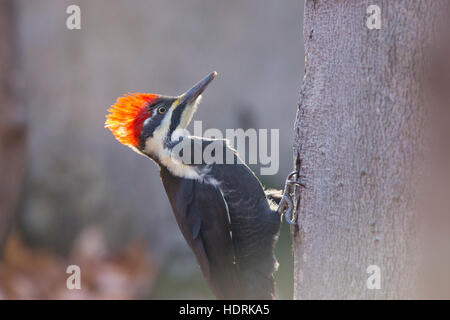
148,123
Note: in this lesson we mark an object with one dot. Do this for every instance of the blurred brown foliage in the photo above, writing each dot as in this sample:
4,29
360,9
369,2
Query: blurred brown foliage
28,273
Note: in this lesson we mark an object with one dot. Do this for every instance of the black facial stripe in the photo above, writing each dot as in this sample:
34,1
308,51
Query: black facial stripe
147,131
176,117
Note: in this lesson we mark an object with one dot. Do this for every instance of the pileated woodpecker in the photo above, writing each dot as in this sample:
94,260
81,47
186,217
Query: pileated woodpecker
224,213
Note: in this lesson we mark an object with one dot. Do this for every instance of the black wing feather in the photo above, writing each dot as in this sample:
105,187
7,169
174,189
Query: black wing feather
201,214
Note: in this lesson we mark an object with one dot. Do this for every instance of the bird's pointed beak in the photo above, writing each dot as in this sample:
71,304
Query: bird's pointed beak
186,104
189,96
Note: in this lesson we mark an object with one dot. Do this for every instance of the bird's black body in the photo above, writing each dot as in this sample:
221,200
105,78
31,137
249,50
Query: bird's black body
227,221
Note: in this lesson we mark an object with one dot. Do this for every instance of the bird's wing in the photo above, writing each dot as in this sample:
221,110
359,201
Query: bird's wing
202,215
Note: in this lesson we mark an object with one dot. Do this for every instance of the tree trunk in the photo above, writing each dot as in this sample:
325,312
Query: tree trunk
358,135
12,128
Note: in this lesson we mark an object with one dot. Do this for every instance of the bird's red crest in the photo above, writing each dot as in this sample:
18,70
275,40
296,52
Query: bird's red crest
127,115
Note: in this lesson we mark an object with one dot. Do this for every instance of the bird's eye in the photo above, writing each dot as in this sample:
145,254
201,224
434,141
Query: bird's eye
162,110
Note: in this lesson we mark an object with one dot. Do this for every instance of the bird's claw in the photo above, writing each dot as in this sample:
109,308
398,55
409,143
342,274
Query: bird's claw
287,204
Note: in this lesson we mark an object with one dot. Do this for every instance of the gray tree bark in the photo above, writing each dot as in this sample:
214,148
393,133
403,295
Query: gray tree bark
12,125
358,135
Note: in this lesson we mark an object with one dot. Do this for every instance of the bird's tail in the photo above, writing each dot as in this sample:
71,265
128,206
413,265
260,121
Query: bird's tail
255,258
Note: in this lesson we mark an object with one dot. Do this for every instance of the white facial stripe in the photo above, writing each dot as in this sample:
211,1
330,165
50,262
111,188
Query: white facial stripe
188,113
185,119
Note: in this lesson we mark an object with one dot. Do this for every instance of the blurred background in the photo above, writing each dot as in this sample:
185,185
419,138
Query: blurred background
74,195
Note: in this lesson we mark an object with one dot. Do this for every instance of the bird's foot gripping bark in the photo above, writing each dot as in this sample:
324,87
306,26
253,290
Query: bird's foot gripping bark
287,206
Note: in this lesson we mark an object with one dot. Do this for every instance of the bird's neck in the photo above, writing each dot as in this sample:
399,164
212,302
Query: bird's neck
164,153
